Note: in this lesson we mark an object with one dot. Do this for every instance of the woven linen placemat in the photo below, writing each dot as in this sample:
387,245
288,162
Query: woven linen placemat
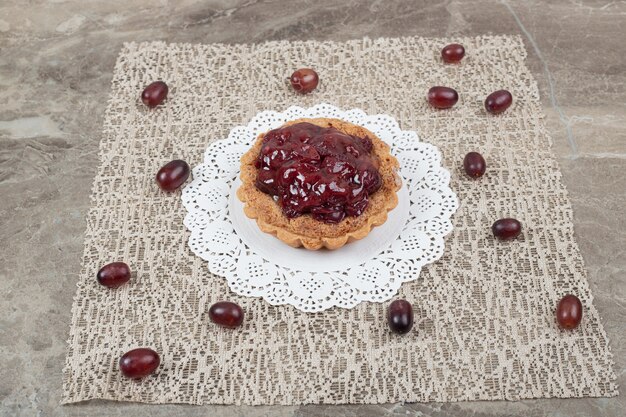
485,325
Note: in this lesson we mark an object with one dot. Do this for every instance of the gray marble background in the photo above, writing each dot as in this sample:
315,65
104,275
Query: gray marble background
56,62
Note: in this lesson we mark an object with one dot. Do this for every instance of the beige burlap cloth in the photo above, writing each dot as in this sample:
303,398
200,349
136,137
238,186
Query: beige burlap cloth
485,312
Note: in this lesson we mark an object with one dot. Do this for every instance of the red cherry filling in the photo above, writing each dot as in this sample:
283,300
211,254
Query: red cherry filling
317,170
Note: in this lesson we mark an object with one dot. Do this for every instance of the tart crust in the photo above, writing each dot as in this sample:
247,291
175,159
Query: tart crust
305,230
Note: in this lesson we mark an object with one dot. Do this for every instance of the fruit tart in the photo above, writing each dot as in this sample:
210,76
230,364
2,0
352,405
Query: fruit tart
318,183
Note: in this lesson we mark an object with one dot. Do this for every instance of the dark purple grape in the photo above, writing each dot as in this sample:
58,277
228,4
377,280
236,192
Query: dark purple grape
506,229
226,314
154,94
114,274
569,312
452,53
498,101
442,97
474,164
172,175
400,316
138,363
304,80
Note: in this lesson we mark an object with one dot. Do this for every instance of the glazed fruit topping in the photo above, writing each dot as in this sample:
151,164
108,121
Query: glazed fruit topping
317,170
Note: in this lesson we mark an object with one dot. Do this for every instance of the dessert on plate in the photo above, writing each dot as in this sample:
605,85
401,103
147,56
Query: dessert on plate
318,183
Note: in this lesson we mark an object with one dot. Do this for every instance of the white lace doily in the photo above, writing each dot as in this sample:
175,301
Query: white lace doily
254,266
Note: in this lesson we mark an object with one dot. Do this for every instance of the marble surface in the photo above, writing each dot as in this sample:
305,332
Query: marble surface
56,62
